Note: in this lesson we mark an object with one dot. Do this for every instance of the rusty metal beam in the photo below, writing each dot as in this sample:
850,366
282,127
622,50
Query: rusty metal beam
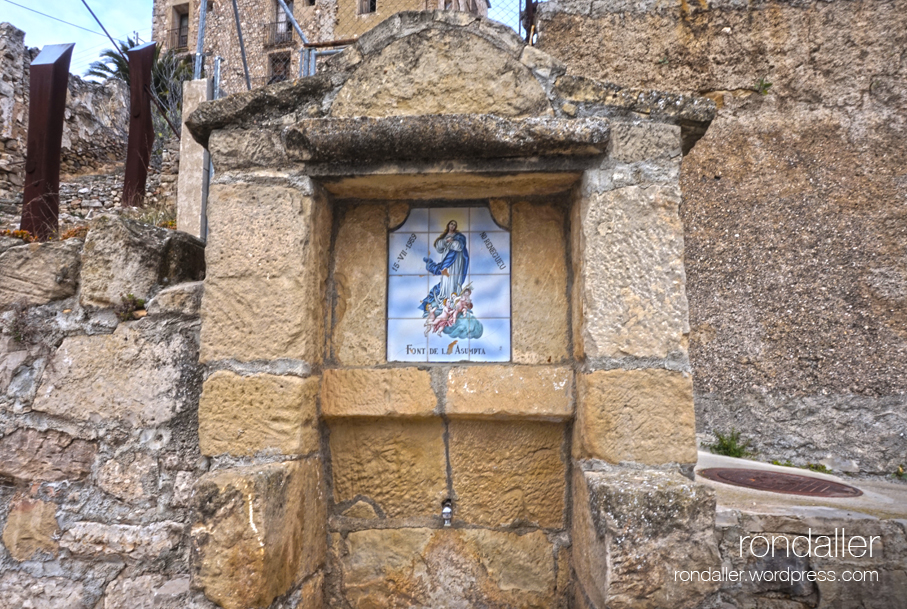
141,130
49,81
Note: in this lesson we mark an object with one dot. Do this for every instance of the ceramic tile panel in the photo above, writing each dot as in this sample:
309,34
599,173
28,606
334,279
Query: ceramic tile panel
448,287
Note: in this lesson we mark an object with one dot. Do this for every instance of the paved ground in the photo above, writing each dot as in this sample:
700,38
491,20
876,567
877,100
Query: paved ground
880,499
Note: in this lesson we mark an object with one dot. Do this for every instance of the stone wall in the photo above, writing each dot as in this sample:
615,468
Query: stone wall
98,419
793,210
95,126
440,109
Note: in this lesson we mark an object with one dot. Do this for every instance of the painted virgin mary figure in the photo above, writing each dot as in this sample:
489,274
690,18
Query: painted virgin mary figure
448,292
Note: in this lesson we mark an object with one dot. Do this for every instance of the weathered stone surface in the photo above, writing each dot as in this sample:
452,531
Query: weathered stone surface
793,209
30,526
138,375
692,113
311,595
398,464
397,212
149,542
843,431
127,477
439,71
266,299
633,528
151,592
360,266
449,185
20,590
363,392
444,137
257,105
631,291
645,416
510,391
539,284
38,273
638,141
182,299
260,530
123,257
360,509
194,164
508,473
500,211
52,456
243,415
447,568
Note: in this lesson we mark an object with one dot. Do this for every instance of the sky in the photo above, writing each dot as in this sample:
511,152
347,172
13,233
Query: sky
120,17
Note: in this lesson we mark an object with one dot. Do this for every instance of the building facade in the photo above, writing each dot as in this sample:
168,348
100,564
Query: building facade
271,43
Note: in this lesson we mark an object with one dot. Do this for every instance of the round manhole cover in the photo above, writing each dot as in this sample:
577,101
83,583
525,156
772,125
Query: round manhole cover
777,482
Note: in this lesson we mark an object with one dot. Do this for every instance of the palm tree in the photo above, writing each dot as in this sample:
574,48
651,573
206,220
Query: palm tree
112,64
167,74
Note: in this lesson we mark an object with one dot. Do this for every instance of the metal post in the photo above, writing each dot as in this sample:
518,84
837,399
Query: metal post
141,131
242,47
203,225
200,46
217,61
48,85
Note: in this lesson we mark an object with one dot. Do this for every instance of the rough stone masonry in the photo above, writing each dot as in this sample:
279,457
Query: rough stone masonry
310,177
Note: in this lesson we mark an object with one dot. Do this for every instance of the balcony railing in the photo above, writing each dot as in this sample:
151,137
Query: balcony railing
278,34
179,39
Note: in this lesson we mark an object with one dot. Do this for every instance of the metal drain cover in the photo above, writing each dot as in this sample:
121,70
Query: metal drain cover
777,482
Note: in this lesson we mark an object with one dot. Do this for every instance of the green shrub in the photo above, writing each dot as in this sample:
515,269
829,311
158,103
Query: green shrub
729,445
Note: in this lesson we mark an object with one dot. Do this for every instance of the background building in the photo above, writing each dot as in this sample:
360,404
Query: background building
272,45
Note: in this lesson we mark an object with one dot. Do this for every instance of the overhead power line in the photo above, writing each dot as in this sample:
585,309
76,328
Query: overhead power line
54,18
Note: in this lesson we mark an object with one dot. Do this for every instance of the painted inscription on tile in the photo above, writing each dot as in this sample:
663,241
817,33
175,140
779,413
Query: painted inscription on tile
448,296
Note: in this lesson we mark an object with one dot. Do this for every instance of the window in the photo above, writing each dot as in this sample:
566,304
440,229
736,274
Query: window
368,6
179,35
279,67
282,16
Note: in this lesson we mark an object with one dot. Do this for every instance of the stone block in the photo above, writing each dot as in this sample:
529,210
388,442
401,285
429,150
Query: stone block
265,300
360,279
149,542
138,375
399,464
364,392
632,528
182,299
20,590
311,594
645,416
524,392
447,568
243,415
632,142
630,293
260,531
151,592
123,257
508,473
539,284
127,476
442,72
29,455
38,273
193,164
30,526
